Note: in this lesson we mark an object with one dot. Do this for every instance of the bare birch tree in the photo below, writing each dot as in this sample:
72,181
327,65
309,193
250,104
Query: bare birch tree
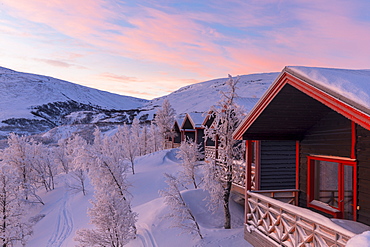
227,115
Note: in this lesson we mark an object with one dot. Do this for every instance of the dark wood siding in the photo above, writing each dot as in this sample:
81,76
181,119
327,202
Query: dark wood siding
200,137
177,138
210,142
187,124
190,135
287,117
277,167
329,136
363,163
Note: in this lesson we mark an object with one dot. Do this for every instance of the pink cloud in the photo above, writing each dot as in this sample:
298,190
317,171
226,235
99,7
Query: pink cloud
120,78
56,63
183,40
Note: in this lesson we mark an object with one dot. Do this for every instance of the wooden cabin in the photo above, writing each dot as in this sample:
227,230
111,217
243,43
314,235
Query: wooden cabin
317,122
174,142
192,128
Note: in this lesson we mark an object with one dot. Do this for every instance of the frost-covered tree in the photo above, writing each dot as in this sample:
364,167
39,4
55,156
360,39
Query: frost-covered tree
14,226
155,140
62,154
111,212
189,153
76,162
106,166
227,115
136,136
113,219
164,119
43,165
128,143
19,156
144,137
180,212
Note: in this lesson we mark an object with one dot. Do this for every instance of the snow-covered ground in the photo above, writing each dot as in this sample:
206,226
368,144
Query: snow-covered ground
65,211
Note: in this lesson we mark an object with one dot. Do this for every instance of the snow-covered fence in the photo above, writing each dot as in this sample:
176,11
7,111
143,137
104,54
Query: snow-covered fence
210,152
270,222
218,155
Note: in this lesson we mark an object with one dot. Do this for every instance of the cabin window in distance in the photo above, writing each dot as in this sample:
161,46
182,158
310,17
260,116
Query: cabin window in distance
331,183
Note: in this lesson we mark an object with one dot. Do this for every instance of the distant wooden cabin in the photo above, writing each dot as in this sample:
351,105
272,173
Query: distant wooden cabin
174,142
192,128
311,129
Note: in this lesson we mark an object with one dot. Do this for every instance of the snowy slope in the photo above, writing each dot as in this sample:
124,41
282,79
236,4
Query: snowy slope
21,91
200,97
65,212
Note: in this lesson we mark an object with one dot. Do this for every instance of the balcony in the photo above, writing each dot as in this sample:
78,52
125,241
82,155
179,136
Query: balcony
276,222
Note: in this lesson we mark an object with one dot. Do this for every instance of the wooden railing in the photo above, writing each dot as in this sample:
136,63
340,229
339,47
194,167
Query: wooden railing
218,155
289,196
210,152
253,177
270,222
239,173
170,144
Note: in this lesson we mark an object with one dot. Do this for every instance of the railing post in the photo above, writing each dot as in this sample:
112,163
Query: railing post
248,165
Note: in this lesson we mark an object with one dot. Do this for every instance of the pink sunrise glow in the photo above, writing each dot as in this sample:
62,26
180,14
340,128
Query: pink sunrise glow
150,48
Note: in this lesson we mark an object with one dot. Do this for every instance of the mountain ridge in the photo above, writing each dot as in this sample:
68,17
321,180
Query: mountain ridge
32,104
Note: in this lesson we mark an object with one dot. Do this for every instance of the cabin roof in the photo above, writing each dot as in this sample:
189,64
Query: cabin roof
350,86
179,121
300,96
194,118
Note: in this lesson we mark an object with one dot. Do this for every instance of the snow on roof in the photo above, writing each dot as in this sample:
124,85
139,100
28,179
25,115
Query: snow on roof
180,119
350,86
197,118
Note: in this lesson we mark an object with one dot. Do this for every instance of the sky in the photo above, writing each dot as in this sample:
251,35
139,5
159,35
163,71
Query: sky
150,48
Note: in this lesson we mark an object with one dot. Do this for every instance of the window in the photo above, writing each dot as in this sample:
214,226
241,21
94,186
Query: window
332,185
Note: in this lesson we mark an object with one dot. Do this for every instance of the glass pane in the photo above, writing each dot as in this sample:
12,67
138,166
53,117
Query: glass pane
348,192
326,182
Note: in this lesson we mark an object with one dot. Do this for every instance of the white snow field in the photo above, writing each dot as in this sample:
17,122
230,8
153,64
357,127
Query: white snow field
66,211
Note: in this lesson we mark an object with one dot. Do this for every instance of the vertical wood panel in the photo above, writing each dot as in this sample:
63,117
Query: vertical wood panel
363,174
277,168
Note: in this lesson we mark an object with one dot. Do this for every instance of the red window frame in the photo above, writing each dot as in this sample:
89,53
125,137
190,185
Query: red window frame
311,184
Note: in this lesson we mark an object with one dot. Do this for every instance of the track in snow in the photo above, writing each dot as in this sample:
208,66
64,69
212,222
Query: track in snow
145,235
64,224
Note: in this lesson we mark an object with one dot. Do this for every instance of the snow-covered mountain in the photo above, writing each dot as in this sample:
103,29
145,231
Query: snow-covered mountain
201,96
32,103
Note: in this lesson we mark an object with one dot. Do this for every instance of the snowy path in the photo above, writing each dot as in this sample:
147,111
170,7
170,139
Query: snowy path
64,224
145,235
